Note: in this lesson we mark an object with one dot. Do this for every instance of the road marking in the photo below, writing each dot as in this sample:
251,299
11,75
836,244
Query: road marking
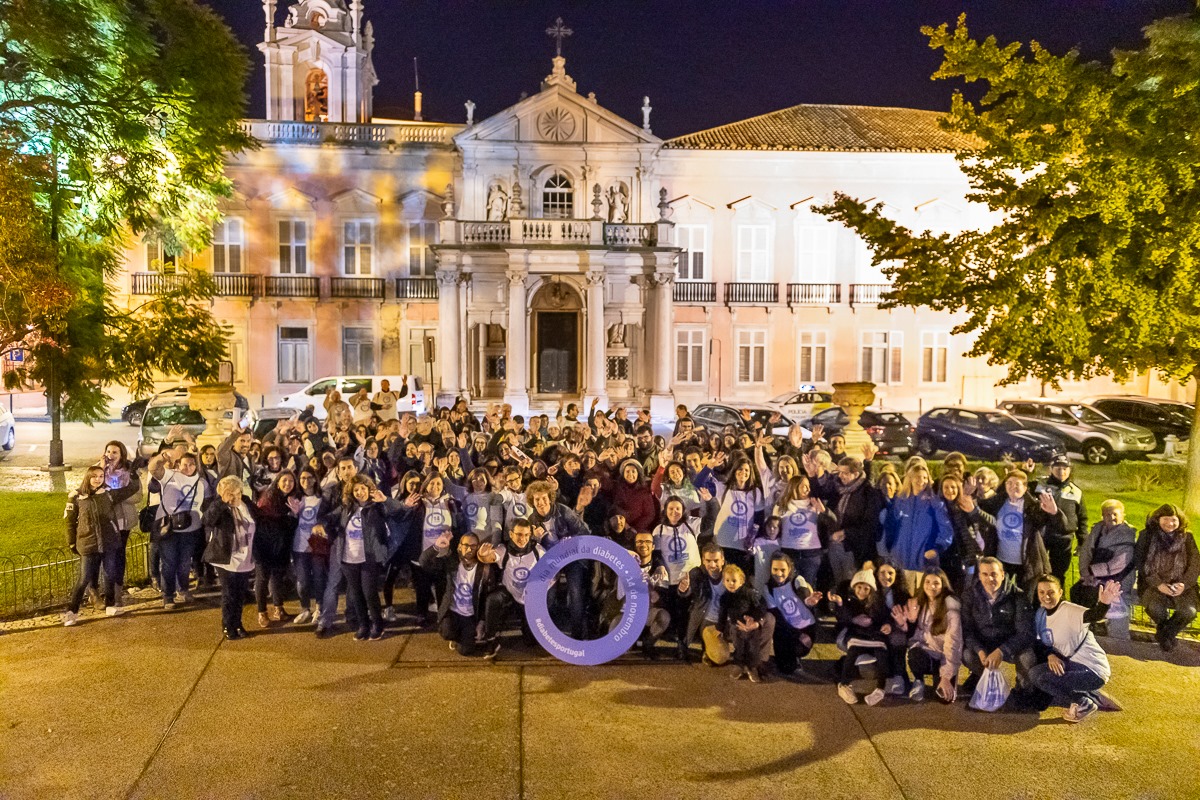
33,448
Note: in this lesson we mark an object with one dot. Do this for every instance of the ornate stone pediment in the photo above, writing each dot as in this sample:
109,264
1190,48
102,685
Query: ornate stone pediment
556,115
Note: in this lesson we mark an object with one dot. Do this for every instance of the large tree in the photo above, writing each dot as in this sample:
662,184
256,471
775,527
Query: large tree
115,120
1093,172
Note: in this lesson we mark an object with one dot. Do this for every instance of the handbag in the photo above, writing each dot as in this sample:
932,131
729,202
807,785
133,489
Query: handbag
179,520
219,549
146,519
991,692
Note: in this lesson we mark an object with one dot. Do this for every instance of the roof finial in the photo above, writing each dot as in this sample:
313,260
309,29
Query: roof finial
646,109
558,32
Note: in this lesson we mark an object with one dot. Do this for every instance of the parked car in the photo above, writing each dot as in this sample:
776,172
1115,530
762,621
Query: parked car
984,433
891,432
134,412
1083,429
801,404
264,420
716,416
348,385
1163,418
168,409
8,432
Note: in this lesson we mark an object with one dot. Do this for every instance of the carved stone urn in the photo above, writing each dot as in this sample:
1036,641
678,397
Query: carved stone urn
212,400
853,398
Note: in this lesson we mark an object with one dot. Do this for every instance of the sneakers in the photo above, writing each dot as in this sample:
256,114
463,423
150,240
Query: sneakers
168,605
1107,703
847,693
453,647
894,686
492,650
754,675
917,692
874,698
741,674
69,619
276,614
376,634
187,597
362,634
389,614
303,618
116,611
1080,711
263,620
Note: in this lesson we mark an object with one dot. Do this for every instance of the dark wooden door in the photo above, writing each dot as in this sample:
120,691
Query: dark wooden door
558,352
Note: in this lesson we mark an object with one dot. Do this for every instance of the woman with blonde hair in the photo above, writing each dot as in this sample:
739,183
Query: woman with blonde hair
916,528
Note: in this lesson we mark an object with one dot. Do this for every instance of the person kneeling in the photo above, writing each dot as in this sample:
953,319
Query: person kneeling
790,600
1075,666
744,624
515,557
936,642
467,582
863,619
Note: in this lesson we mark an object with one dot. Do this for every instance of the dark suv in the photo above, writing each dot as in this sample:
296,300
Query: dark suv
1163,417
891,432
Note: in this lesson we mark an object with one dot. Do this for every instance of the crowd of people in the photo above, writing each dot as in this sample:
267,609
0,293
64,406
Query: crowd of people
753,546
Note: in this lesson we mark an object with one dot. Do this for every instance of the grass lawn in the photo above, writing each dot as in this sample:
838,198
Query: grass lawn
1101,483
31,522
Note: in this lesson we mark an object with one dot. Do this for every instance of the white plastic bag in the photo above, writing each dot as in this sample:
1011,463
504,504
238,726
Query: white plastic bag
991,692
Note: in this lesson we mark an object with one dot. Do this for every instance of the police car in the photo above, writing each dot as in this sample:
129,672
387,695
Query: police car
801,404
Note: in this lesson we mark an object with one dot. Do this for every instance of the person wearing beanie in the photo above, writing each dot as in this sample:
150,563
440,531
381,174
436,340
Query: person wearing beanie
864,627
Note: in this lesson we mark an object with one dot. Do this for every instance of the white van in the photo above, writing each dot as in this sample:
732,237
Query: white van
348,386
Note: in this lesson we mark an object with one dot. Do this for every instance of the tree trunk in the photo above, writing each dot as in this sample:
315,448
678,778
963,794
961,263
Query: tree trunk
1191,492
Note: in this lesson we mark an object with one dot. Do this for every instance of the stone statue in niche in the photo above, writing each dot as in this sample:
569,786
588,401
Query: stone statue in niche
616,335
497,204
618,203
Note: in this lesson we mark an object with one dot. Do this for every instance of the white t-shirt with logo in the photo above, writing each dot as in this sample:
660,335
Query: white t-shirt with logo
304,527
516,568
387,405
356,550
1010,530
463,599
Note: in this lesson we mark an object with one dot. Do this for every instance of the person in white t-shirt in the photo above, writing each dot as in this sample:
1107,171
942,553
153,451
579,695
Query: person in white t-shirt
467,583
385,400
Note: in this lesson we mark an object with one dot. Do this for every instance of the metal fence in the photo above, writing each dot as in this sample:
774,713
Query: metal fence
33,582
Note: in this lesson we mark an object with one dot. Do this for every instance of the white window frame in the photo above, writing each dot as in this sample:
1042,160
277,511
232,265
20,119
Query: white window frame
229,246
753,242
155,251
816,252
694,261
370,339
812,341
358,257
747,341
293,245
935,357
689,341
420,235
563,198
300,358
892,349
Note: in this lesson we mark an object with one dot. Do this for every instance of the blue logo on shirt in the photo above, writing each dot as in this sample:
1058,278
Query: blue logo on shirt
739,508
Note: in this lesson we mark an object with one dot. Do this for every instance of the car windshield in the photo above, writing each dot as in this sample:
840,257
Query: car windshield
782,398
888,418
1088,415
157,416
763,417
1002,421
1179,412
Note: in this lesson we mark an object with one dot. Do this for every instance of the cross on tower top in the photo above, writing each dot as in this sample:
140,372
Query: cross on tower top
558,32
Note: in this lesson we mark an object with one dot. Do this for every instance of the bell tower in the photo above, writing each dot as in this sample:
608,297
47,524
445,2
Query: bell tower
319,62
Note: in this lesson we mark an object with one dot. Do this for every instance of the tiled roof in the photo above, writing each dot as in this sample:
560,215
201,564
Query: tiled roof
838,128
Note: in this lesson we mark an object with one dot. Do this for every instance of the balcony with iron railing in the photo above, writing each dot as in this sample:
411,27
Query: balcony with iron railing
308,286
539,232
231,284
150,283
867,294
350,134
751,293
694,292
357,288
814,294
416,289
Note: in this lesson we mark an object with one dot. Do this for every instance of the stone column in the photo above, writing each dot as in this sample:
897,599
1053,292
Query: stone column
516,358
597,361
450,340
662,400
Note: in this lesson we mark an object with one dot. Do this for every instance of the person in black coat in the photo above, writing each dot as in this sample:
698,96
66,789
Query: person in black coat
467,584
745,624
363,549
277,521
997,624
857,508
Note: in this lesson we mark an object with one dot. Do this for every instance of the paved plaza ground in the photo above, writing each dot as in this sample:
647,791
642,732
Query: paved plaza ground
157,705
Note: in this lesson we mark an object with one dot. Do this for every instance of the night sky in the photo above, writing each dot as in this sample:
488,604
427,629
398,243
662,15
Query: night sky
702,63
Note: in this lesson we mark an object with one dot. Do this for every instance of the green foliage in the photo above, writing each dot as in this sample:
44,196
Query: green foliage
116,117
1147,476
1093,174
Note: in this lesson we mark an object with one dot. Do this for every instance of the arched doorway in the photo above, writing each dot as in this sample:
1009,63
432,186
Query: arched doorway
556,327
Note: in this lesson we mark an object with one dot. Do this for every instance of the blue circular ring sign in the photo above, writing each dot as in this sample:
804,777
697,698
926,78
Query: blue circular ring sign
624,633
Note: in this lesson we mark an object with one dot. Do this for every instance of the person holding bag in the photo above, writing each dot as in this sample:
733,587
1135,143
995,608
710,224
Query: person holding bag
183,492
92,532
230,523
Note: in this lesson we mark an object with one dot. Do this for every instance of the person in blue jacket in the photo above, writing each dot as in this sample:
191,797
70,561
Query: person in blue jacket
916,527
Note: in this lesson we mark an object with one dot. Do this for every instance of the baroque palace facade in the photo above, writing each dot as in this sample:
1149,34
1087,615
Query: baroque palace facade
558,251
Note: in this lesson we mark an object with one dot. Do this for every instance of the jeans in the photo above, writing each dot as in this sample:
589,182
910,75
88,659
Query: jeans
362,595
1059,550
89,571
922,664
428,587
329,598
883,665
268,576
311,574
1024,662
176,553
1076,682
233,597
791,645
1158,607
842,563
118,576
497,609
454,627
808,564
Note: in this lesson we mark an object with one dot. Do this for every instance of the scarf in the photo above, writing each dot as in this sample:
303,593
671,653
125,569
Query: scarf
1166,559
844,492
